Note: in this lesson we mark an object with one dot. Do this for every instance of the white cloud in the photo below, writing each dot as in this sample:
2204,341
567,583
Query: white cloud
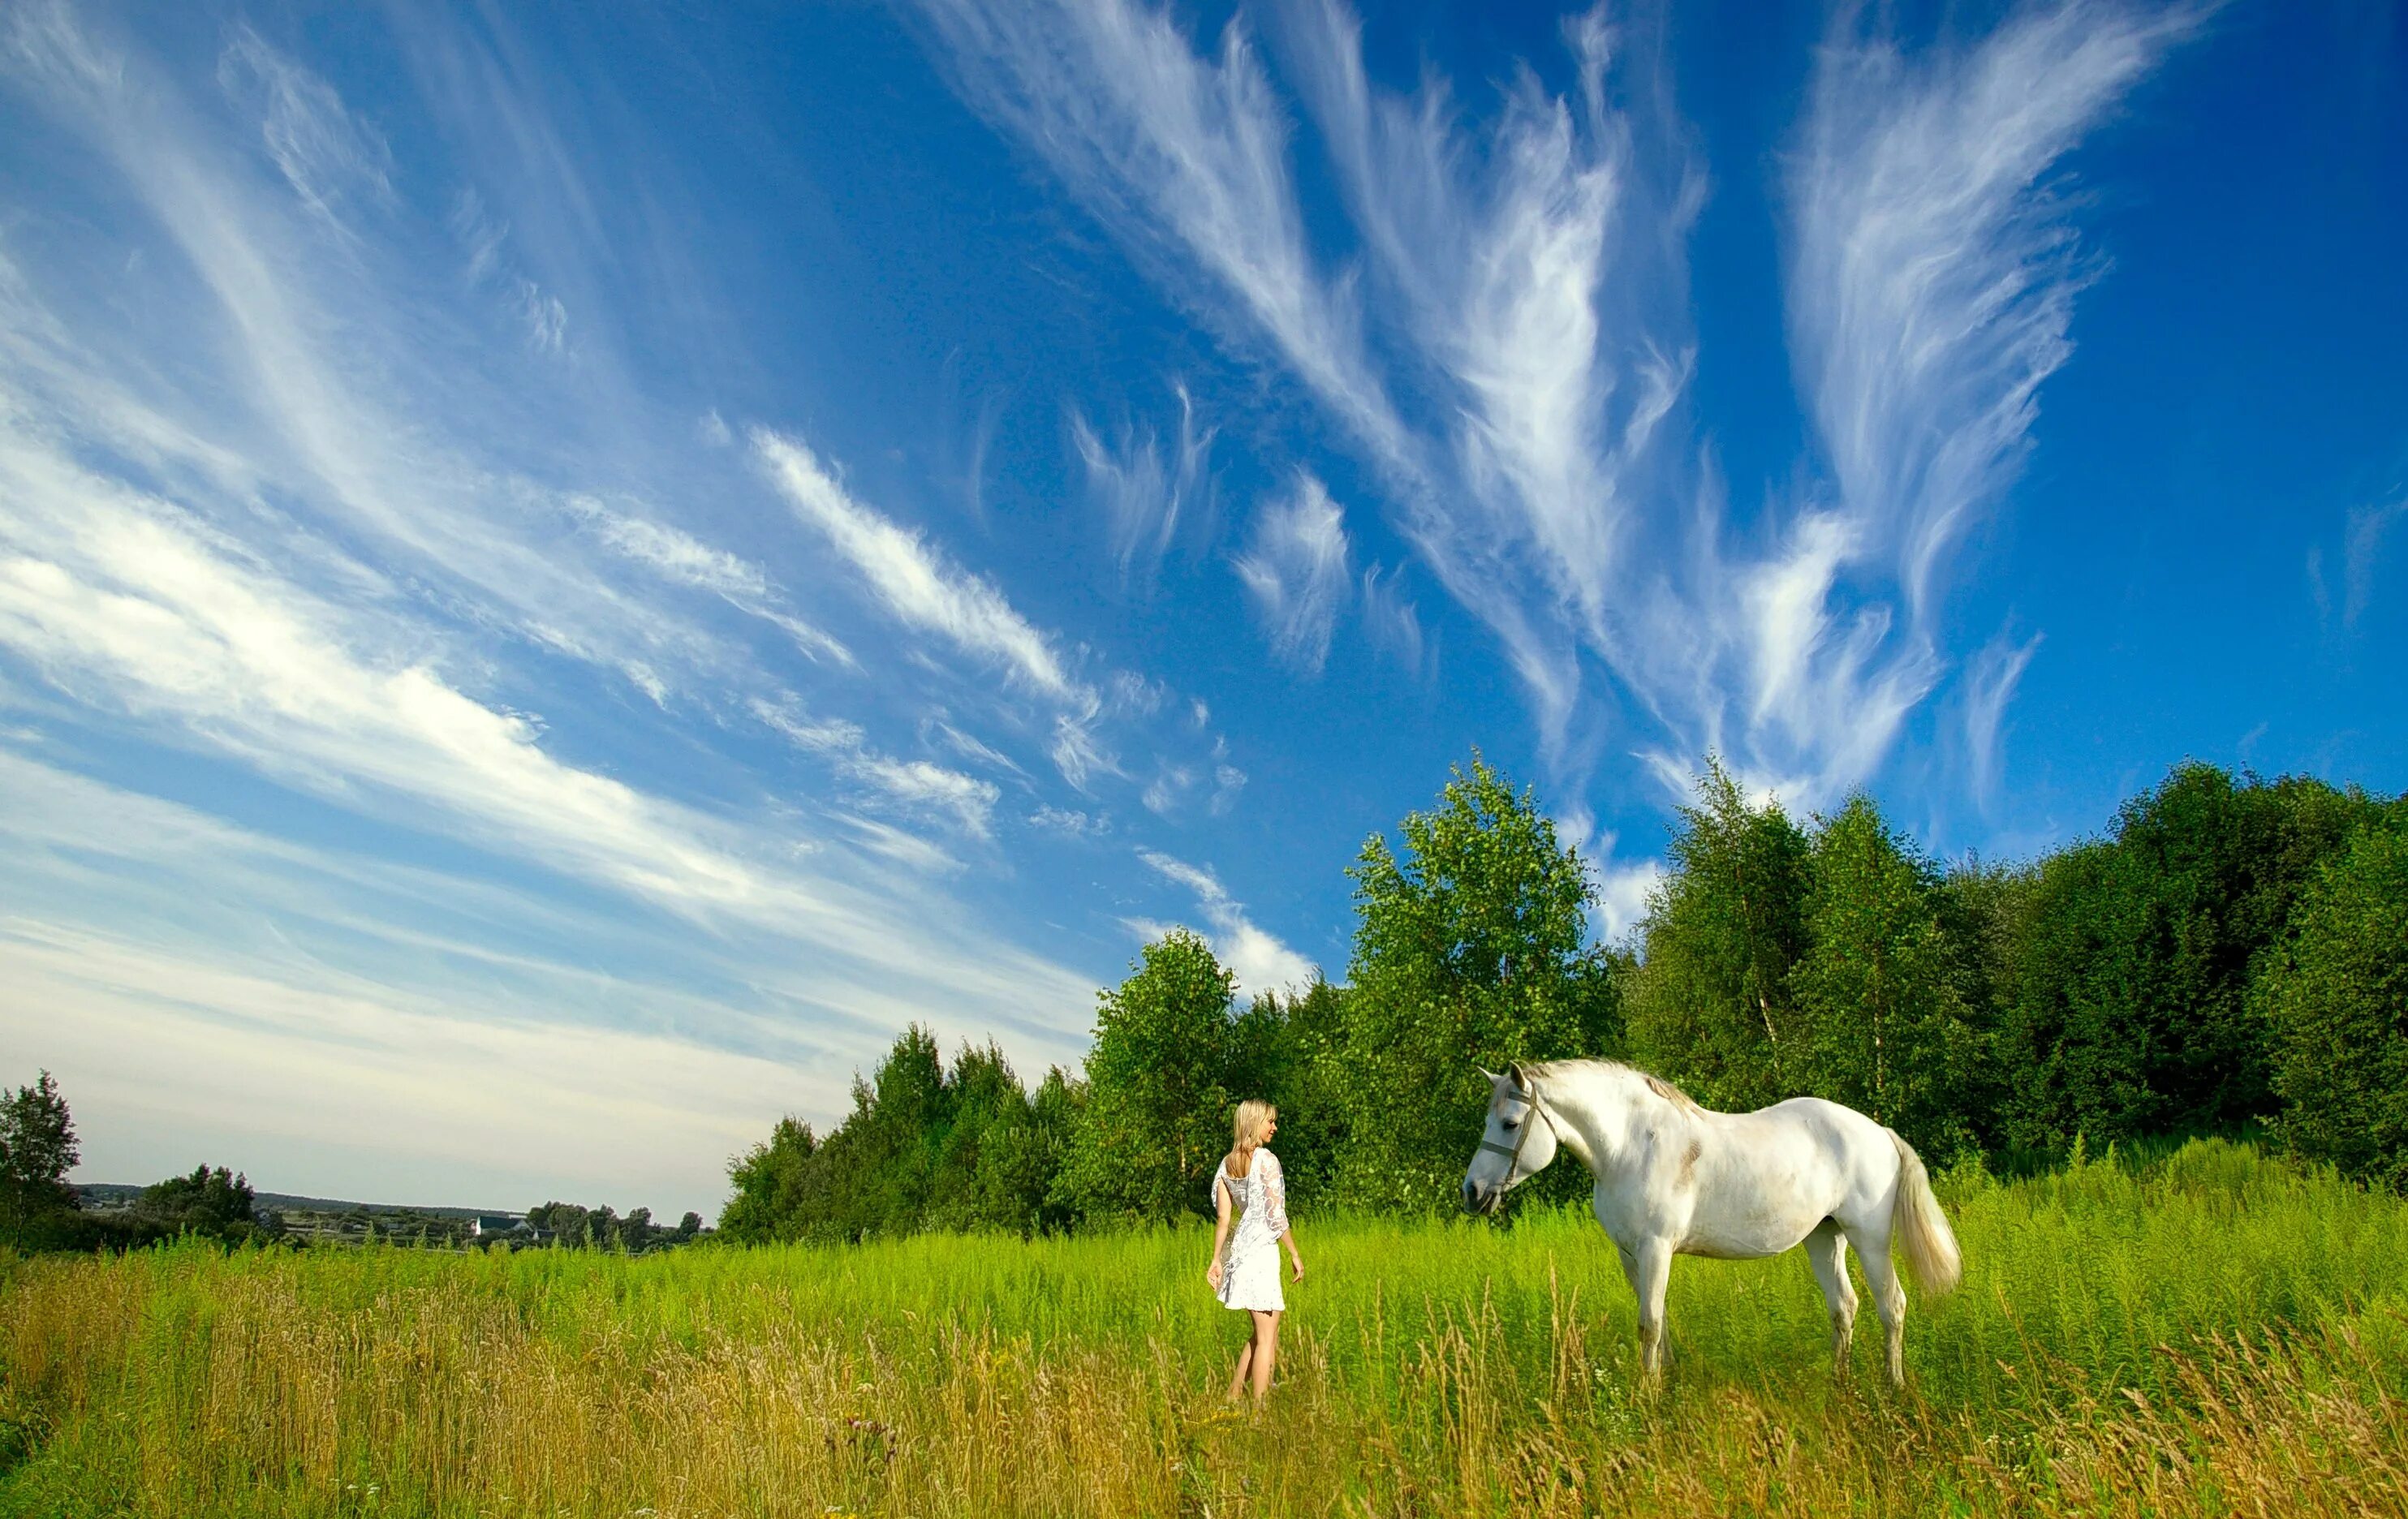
914,787
1295,569
679,557
912,580
1622,896
1186,158
1259,961
170,966
546,318
2360,547
1934,270
1532,278
1391,622
1989,685
1144,499
1070,821
324,153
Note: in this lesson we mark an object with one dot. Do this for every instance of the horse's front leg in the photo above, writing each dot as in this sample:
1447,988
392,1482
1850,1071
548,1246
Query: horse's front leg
1649,1266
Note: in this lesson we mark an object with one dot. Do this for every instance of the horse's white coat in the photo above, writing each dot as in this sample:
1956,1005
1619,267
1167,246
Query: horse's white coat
1675,1178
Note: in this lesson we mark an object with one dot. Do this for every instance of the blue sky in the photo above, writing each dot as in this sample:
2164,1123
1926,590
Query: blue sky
563,576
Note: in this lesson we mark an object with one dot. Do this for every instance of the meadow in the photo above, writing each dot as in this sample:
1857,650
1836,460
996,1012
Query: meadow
2212,1330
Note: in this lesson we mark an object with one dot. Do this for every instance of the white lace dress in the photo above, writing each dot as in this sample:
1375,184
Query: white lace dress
1249,1276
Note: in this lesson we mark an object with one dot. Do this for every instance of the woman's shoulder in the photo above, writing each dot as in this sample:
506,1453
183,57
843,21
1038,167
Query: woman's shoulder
1264,1158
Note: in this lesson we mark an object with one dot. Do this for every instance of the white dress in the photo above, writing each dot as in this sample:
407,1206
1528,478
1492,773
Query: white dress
1250,1268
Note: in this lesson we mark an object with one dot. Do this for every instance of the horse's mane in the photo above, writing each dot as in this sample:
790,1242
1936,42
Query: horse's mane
1657,1085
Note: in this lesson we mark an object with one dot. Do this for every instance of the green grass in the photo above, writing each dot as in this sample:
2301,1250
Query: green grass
2170,1337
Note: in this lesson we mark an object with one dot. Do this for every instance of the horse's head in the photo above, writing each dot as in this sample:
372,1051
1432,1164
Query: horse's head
1516,1145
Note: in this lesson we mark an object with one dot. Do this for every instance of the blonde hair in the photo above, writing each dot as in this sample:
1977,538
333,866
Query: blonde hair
1247,1132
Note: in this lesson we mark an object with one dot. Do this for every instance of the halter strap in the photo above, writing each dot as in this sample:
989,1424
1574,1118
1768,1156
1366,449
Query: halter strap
1514,1151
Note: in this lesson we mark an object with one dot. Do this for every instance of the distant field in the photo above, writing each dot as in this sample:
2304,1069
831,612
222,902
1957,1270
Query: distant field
2217,1333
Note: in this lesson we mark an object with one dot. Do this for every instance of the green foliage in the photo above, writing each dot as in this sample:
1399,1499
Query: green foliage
924,1148
38,1149
1472,949
2129,1009
212,1201
1292,1053
2211,959
1710,1003
774,1182
1157,1121
2336,1000
1884,1022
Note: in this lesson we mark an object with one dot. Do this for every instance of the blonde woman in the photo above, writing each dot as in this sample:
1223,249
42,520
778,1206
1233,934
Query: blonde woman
1244,1272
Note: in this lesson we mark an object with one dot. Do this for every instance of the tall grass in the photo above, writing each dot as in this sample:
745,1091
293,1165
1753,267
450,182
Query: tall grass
2213,1332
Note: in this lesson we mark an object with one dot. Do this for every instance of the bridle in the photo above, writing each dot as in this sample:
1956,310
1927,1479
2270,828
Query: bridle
1513,1153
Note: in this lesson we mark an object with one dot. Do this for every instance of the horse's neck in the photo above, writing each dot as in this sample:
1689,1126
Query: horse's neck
1603,1114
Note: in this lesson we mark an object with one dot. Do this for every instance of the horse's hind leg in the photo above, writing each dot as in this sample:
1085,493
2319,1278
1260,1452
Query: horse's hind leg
1889,1296
1826,1249
1650,1270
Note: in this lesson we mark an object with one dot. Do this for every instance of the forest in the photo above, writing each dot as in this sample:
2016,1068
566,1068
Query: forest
2228,955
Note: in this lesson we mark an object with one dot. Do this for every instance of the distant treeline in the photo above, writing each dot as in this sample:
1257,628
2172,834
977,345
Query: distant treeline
2231,952
41,1210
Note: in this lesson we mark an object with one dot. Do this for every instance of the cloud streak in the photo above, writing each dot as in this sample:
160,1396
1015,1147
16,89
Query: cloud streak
1295,569
1526,404
915,582
1258,960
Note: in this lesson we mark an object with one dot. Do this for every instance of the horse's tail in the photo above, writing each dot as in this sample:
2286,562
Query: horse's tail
1916,1222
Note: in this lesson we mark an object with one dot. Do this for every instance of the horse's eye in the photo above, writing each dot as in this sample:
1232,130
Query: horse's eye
1510,1122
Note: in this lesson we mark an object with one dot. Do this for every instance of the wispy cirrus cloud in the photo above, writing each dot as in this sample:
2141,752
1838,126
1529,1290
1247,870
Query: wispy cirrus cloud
1259,961
913,582
1295,569
915,786
1143,497
1527,401
1188,158
681,557
1990,681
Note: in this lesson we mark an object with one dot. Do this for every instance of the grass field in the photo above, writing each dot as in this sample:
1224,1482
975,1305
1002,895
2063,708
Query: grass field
2213,1331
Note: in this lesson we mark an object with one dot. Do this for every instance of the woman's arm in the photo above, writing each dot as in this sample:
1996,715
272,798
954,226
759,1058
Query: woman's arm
1275,1211
1220,1230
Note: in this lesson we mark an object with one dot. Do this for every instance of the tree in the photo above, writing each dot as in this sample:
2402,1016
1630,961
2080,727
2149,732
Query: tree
1882,1021
1156,1117
926,1147
2336,1000
2131,1013
1472,947
1292,1052
213,1201
37,1149
1710,1001
772,1182
688,1226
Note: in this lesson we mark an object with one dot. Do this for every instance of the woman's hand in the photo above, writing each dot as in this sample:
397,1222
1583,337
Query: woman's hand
1295,1264
1212,1274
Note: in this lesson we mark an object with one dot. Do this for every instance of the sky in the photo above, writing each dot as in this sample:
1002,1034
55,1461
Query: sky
566,573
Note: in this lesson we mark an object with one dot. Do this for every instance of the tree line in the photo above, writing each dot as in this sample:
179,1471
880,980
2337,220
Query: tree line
41,1210
2229,952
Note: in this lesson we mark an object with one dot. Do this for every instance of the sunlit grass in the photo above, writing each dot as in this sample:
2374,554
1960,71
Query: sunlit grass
2215,1332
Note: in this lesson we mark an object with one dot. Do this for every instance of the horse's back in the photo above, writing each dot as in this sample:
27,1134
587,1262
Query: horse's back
1771,1175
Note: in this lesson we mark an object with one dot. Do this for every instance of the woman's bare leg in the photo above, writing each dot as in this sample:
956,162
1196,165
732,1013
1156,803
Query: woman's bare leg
1245,1359
1266,1348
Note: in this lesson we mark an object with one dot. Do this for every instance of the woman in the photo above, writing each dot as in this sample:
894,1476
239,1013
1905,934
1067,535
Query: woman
1245,1263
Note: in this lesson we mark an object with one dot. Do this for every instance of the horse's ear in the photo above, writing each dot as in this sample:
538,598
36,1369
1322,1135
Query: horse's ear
1492,1077
1521,1077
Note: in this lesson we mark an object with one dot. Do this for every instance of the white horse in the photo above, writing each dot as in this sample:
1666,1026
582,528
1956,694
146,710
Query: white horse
1674,1179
